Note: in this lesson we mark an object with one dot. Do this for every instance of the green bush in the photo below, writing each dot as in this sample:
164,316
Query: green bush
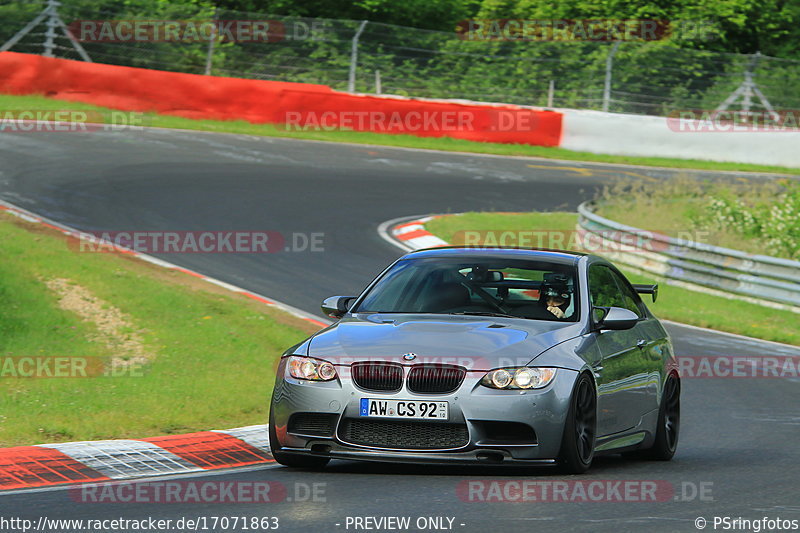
776,223
755,217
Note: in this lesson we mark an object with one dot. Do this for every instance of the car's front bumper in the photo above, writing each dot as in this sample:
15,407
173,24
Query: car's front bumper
476,456
472,406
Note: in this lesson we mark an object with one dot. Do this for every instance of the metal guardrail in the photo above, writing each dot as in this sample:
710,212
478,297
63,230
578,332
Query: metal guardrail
732,271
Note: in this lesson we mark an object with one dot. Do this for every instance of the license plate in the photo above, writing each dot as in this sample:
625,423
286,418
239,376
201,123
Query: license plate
403,409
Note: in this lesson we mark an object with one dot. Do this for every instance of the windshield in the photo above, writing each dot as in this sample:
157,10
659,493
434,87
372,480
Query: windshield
476,286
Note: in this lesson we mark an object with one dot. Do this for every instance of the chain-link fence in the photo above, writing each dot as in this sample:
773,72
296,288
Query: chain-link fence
653,78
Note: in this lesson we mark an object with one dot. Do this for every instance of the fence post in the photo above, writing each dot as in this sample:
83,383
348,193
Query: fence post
550,90
746,91
52,22
609,68
24,31
351,82
50,12
211,42
377,82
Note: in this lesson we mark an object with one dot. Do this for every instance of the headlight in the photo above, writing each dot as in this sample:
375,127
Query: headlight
500,378
519,378
311,369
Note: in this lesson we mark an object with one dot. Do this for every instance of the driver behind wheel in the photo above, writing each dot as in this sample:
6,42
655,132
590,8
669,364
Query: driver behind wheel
556,299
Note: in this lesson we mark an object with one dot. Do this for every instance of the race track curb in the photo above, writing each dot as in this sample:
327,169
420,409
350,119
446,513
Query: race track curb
111,460
411,235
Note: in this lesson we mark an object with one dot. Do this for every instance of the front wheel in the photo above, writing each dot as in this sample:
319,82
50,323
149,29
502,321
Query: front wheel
580,430
669,417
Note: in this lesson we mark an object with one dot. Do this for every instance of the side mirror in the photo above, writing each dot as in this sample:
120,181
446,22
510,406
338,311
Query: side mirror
337,306
646,288
617,318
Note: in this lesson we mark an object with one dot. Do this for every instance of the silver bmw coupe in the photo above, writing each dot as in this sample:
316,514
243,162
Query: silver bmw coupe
495,356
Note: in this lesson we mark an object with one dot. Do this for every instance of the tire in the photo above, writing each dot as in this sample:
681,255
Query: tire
669,418
307,462
580,429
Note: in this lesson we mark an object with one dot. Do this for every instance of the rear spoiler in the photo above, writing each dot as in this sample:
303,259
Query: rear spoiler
646,288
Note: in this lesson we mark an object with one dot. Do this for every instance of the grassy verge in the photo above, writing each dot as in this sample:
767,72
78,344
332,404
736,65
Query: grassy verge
674,303
760,218
19,103
211,353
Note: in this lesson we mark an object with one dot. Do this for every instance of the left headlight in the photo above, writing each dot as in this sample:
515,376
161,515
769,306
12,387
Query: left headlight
311,369
526,377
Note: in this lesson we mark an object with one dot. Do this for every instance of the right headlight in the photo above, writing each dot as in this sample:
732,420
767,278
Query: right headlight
311,369
526,377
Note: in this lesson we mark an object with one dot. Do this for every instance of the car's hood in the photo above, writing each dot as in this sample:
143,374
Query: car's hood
478,343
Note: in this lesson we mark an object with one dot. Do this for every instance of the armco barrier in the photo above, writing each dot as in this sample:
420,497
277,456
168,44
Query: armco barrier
134,89
749,275
211,97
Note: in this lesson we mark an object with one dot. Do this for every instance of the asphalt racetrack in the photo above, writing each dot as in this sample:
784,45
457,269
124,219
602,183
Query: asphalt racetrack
738,454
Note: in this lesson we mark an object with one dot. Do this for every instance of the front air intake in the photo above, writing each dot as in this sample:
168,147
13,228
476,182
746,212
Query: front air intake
377,376
315,424
435,379
404,435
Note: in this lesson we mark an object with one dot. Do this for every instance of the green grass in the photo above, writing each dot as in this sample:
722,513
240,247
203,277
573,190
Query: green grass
674,303
29,102
215,352
680,208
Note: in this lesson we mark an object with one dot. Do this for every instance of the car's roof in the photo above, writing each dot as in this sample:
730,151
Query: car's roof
561,257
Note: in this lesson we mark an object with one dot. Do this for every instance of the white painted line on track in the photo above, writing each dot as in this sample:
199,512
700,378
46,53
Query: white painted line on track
576,162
